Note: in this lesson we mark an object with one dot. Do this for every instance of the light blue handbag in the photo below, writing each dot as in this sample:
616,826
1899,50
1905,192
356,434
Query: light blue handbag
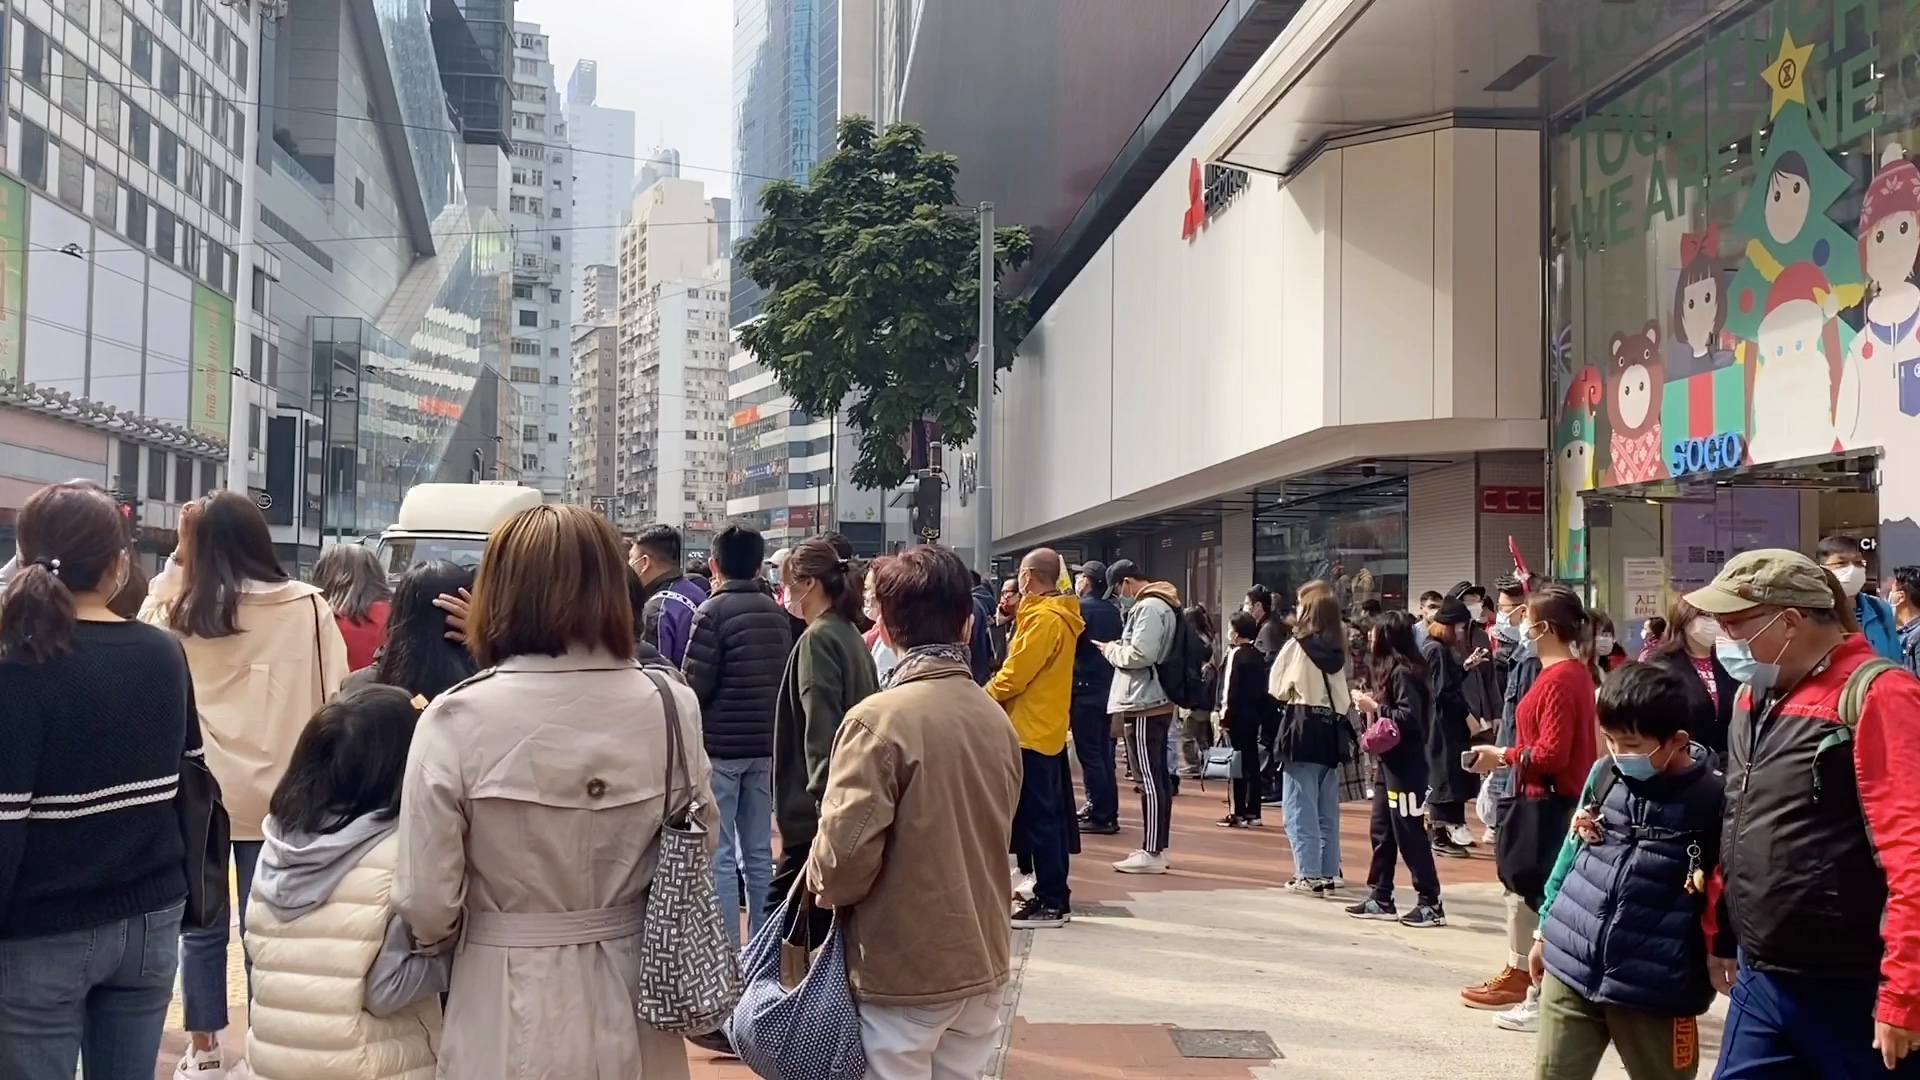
809,1032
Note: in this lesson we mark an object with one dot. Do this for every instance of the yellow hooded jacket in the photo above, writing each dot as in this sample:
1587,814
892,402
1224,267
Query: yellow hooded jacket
1036,683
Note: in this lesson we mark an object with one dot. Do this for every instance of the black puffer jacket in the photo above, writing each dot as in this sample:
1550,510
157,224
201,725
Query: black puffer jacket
736,656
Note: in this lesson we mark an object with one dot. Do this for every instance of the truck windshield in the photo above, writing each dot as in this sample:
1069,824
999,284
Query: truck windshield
397,553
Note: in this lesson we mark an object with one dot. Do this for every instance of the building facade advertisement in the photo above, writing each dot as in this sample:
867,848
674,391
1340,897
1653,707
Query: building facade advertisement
1733,263
212,344
13,276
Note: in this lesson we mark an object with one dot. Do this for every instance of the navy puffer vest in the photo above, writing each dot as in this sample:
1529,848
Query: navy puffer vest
1624,930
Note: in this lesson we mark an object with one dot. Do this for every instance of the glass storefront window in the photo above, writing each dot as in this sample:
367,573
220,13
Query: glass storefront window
1355,538
1734,235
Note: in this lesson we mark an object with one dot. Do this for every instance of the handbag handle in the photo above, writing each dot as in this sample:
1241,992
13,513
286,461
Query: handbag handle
676,752
319,662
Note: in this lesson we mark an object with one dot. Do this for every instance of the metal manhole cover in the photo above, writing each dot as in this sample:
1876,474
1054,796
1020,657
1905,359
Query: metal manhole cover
1220,1043
1101,911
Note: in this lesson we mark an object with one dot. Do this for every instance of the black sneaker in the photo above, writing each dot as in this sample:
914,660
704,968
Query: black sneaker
1102,828
1451,850
1326,888
1424,917
1033,915
714,1042
1373,909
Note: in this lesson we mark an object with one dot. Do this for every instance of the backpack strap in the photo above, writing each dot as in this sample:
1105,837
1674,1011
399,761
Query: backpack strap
1853,699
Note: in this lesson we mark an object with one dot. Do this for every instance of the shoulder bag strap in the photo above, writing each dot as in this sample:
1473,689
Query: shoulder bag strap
319,663
677,809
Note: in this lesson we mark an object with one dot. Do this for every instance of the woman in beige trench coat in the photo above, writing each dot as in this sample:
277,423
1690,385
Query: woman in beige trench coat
531,814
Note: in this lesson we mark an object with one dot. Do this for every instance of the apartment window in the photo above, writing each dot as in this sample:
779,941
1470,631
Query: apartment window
530,432
209,477
168,164
79,13
256,419
359,193
217,192
169,74
530,462
126,485
202,24
518,373
522,292
530,318
73,177
240,62
553,380
140,134
182,479
106,113
73,87
33,153
517,204
106,200
556,213
553,296
36,60
219,121
112,15
197,98
165,228
273,362
173,10
260,280
142,51
156,474
233,200
527,67
554,242
196,175
553,436
136,217
222,49
237,126
257,358
553,324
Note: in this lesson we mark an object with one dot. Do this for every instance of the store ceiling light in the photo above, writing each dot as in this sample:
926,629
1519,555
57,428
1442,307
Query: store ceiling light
1518,74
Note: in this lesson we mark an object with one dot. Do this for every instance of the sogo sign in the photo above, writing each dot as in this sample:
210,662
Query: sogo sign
1209,192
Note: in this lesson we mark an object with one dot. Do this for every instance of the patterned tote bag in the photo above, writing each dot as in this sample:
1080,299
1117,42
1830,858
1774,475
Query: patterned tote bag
691,980
808,1032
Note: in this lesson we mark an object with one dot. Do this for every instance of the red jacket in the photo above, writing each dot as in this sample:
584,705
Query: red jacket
364,638
1556,731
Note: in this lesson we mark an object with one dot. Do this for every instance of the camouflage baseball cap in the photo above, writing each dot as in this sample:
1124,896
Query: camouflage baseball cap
1772,576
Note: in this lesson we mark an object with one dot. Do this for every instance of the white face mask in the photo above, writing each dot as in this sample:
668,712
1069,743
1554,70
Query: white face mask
1603,643
792,602
1476,609
1702,633
1852,577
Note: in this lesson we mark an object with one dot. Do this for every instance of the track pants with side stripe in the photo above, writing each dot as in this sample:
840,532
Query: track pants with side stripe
1147,750
1400,833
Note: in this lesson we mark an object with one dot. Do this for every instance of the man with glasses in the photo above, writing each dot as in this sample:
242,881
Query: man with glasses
1818,937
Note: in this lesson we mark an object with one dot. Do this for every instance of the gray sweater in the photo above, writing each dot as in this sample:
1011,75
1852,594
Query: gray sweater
1144,641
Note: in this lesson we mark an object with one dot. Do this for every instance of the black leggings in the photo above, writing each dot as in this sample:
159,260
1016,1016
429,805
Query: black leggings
1244,736
1400,833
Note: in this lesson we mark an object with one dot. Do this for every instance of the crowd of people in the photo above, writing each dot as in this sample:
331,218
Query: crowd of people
441,798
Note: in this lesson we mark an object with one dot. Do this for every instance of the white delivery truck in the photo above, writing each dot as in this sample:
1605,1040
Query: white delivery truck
450,521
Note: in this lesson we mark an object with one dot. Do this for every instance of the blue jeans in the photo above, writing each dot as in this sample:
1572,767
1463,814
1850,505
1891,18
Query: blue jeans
203,955
1794,1027
1311,800
743,790
103,991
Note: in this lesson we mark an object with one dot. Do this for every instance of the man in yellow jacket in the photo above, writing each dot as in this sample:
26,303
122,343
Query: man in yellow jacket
1036,687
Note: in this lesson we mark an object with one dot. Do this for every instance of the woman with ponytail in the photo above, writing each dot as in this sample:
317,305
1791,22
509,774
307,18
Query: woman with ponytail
829,671
97,721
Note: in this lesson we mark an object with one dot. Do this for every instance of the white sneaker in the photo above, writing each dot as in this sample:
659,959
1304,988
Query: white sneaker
1023,887
1460,834
1522,1017
1486,836
1141,862
201,1065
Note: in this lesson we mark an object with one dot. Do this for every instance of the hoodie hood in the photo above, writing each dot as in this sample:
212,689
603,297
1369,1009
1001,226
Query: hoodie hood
299,871
1328,658
1160,590
1065,605
277,592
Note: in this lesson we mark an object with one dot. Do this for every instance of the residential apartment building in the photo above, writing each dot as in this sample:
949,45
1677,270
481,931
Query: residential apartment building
603,164
596,374
540,207
670,428
121,214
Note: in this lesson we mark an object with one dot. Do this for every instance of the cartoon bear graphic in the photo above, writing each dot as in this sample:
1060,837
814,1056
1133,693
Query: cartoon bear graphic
1635,375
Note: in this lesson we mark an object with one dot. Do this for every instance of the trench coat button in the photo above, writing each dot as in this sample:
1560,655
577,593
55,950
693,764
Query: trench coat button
596,787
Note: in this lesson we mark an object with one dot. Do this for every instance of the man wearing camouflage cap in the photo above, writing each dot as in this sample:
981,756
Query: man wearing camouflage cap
1821,842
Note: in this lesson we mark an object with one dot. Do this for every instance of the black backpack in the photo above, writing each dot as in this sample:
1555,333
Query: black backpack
1182,673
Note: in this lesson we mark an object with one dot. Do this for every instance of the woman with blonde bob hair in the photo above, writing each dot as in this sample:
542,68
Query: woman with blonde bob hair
532,808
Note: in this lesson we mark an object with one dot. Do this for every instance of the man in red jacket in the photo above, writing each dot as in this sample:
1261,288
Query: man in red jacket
1821,844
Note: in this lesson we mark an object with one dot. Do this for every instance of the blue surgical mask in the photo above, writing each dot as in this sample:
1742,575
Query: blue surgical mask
1635,766
1125,602
1737,658
1506,632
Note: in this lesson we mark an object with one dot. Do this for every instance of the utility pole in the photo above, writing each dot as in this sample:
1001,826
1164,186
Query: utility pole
983,428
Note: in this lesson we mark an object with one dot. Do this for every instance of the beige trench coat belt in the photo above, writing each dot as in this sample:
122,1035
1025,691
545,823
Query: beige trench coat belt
544,930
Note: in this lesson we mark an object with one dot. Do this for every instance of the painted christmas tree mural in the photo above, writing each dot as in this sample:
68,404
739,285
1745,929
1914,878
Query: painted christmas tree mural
1785,214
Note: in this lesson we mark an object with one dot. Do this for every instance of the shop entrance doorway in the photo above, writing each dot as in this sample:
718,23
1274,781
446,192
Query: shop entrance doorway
1648,544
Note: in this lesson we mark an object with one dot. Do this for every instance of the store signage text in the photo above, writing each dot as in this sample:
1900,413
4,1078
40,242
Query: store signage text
1209,191
1683,127
1710,453
1513,500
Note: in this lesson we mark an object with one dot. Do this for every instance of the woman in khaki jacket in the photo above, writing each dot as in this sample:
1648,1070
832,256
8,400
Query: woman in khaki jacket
912,847
265,653
531,813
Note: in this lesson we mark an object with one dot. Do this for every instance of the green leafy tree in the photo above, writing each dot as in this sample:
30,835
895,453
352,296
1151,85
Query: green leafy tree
872,277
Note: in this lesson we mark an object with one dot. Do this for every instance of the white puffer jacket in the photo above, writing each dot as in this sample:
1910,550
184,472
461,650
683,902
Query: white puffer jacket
310,988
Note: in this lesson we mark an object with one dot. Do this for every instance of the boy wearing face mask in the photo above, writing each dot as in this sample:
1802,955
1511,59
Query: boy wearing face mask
1621,953
1844,559
1905,598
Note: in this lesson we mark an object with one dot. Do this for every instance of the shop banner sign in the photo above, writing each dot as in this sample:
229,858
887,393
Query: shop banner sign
212,374
13,276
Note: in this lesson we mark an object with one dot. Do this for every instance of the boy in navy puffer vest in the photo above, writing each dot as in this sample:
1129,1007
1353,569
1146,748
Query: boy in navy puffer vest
1621,954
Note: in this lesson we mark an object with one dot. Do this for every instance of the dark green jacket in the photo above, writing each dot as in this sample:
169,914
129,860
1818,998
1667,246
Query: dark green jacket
828,672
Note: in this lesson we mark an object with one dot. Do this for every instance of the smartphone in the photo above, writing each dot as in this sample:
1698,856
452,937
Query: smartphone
1467,758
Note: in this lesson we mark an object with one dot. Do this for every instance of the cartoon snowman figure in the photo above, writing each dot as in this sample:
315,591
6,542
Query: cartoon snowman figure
1794,388
1880,385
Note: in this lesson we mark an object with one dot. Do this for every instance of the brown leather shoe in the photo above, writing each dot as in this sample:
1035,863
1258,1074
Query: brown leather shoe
1503,991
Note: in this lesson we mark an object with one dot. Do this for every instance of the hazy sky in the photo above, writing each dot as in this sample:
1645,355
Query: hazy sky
670,61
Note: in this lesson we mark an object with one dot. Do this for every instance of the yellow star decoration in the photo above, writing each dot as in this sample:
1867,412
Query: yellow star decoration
1788,74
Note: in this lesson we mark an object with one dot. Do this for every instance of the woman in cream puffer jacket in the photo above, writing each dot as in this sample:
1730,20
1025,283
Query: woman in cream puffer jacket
339,993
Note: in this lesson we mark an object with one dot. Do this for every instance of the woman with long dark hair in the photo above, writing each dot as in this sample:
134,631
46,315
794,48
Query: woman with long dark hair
96,718
1555,743
356,588
1688,650
1309,680
421,656
1404,695
1196,725
266,653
